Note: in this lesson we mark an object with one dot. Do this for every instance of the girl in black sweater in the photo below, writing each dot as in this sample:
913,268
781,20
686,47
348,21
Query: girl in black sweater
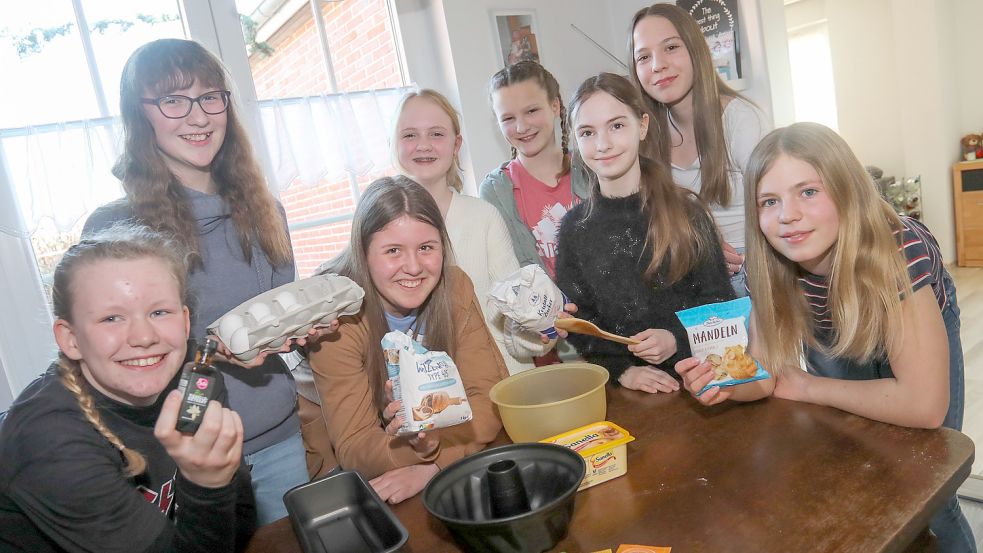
640,249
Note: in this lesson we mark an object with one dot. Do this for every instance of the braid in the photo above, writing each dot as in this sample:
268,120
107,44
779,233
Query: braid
515,152
69,372
564,141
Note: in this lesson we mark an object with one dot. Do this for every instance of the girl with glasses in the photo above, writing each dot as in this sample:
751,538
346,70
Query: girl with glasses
188,169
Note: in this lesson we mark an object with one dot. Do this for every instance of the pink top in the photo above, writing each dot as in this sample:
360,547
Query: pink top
541,207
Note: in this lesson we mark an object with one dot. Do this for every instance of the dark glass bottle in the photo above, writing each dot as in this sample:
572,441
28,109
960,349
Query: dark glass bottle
199,384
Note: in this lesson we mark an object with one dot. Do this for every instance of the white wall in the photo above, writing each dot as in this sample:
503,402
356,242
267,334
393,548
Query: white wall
904,95
468,42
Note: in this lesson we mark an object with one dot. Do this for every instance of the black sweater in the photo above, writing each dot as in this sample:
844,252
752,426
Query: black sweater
62,488
601,267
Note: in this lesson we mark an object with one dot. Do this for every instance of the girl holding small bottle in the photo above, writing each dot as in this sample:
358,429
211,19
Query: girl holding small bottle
639,249
92,460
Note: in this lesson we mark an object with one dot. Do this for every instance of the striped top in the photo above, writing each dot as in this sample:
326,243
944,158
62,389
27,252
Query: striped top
924,268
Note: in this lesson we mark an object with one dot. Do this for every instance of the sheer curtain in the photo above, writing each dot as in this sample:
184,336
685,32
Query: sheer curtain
54,176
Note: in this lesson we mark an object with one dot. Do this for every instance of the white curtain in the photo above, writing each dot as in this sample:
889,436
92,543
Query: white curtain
328,137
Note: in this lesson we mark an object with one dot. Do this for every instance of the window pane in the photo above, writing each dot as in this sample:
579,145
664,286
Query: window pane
41,54
119,27
287,60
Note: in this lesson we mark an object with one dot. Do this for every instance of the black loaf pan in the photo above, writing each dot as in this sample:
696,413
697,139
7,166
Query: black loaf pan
341,513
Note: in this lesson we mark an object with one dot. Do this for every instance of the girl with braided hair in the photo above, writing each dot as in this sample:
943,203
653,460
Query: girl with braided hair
91,457
535,188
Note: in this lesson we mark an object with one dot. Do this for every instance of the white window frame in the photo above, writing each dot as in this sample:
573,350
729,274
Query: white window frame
26,342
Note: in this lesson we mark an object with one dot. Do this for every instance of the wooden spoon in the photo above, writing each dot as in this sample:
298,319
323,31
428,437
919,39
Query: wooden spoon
581,326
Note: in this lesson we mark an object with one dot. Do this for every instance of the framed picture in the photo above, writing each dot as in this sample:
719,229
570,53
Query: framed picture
516,32
721,26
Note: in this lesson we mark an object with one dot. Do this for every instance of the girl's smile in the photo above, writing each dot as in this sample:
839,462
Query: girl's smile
797,215
426,142
662,62
405,263
526,116
129,329
608,135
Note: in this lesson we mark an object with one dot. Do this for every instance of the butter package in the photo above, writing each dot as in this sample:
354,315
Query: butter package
602,445
427,382
529,297
718,334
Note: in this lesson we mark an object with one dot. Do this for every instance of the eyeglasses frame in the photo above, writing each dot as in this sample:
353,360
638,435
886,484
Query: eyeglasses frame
156,102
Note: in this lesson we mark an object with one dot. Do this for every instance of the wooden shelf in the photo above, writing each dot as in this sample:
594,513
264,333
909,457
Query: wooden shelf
967,197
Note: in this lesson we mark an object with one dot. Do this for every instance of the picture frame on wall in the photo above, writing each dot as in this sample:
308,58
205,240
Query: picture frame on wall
721,25
516,32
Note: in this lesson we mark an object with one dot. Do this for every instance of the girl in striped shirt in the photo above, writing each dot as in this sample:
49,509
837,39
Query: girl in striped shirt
860,293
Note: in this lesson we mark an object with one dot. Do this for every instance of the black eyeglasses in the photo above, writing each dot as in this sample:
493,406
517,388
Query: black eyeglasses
175,106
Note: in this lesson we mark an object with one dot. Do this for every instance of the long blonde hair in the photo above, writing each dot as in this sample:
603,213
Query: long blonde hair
708,88
676,243
384,201
867,273
124,242
454,179
154,193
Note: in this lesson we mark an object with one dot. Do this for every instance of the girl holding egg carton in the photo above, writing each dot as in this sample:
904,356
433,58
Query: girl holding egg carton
398,254
861,294
188,170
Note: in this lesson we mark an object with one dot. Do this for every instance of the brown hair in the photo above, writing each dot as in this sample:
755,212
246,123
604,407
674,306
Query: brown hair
528,70
676,243
121,241
154,193
708,87
384,201
867,270
454,179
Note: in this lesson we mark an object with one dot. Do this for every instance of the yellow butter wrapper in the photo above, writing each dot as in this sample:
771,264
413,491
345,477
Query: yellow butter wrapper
602,445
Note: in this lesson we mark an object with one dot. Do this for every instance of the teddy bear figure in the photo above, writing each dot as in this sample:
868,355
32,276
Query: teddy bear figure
972,147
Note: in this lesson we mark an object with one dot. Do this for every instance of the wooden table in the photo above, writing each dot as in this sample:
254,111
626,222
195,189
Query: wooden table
772,475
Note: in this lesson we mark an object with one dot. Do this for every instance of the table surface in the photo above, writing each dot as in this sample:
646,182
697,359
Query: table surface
771,475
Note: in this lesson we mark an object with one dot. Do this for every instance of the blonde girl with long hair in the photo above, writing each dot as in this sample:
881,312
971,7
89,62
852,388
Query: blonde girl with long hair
91,457
399,255
426,143
640,248
860,293
188,169
706,129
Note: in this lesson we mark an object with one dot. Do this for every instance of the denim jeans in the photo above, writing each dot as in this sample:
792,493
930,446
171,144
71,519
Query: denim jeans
949,524
274,471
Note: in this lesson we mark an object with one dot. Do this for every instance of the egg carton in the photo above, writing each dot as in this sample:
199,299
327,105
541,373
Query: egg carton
268,320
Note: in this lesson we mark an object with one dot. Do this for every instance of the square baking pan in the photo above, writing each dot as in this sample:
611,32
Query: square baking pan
341,513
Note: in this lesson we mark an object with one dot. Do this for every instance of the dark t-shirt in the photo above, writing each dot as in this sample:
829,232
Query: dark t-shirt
62,486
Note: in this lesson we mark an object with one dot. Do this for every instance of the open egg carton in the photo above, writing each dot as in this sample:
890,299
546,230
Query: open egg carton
268,320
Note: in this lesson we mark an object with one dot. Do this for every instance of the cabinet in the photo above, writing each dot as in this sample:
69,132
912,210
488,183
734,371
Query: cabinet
967,201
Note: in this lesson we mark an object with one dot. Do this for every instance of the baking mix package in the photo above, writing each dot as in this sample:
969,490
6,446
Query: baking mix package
529,297
427,382
718,334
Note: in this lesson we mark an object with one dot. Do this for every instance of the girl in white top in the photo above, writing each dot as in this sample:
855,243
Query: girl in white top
706,129
425,145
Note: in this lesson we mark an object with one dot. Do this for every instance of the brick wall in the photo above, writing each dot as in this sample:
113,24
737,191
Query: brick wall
364,56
